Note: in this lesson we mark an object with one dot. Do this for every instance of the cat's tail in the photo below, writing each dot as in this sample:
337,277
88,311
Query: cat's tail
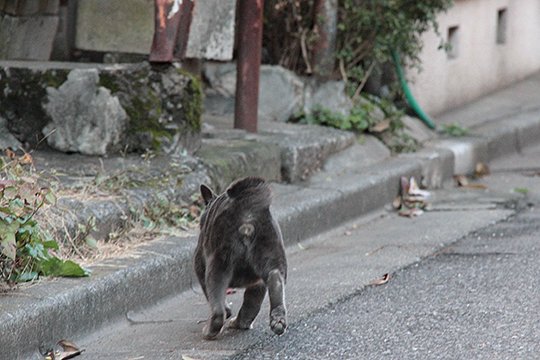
251,192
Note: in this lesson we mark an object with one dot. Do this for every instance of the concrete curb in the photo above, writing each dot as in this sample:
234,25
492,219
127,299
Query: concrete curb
67,308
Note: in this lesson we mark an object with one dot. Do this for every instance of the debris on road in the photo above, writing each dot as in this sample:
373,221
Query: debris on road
463,181
382,280
63,350
412,200
481,169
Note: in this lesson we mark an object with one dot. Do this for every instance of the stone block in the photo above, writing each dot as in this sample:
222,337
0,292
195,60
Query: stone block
304,148
128,26
328,95
6,139
50,6
280,94
29,7
163,104
280,90
211,35
437,165
467,152
118,26
416,129
229,158
221,77
28,38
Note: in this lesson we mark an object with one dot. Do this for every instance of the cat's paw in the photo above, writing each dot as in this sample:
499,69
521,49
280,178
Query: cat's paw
278,321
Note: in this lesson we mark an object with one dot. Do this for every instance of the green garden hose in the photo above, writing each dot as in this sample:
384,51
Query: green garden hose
408,94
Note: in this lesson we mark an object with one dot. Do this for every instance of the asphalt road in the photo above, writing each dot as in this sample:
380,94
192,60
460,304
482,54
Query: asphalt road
476,299
464,285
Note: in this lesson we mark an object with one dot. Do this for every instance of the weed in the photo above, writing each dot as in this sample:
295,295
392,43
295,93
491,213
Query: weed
454,130
27,251
387,125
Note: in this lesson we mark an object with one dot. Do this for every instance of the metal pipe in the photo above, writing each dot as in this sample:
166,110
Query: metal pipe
250,23
170,17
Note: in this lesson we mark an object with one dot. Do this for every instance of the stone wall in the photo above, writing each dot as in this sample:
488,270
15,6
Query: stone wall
128,26
27,28
97,110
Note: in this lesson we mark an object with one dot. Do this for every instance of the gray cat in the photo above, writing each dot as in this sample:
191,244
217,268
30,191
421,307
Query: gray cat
240,246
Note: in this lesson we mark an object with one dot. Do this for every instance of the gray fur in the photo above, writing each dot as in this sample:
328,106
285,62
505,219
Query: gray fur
240,246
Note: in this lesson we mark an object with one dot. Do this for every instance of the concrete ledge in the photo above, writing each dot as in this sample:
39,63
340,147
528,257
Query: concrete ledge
511,134
437,165
62,308
467,152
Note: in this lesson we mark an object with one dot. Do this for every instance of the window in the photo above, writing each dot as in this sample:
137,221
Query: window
501,25
453,42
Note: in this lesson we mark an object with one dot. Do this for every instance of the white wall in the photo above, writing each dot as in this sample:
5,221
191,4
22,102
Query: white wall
481,65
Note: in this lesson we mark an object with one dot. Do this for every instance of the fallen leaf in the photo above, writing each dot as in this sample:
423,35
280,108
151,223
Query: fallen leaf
185,357
481,169
64,350
380,126
68,345
476,186
461,180
396,204
26,159
381,281
10,154
194,211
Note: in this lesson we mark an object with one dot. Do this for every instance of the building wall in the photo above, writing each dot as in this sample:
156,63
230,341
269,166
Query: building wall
480,64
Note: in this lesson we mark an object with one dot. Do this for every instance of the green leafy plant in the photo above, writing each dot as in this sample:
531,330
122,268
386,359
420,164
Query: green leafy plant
367,32
370,29
27,251
454,130
521,190
386,125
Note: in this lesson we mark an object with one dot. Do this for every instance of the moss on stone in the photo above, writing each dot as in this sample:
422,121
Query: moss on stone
53,78
192,101
109,81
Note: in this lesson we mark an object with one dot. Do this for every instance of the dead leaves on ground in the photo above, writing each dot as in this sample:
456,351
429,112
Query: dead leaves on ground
412,200
63,350
480,170
382,280
25,159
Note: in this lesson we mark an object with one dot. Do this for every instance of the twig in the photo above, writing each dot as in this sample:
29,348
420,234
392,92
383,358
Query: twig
43,139
364,80
343,71
304,51
72,242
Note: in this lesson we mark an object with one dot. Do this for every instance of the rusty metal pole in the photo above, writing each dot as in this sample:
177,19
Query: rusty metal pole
171,29
250,23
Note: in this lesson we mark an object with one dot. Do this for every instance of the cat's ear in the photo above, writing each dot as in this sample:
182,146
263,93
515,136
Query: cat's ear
207,194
